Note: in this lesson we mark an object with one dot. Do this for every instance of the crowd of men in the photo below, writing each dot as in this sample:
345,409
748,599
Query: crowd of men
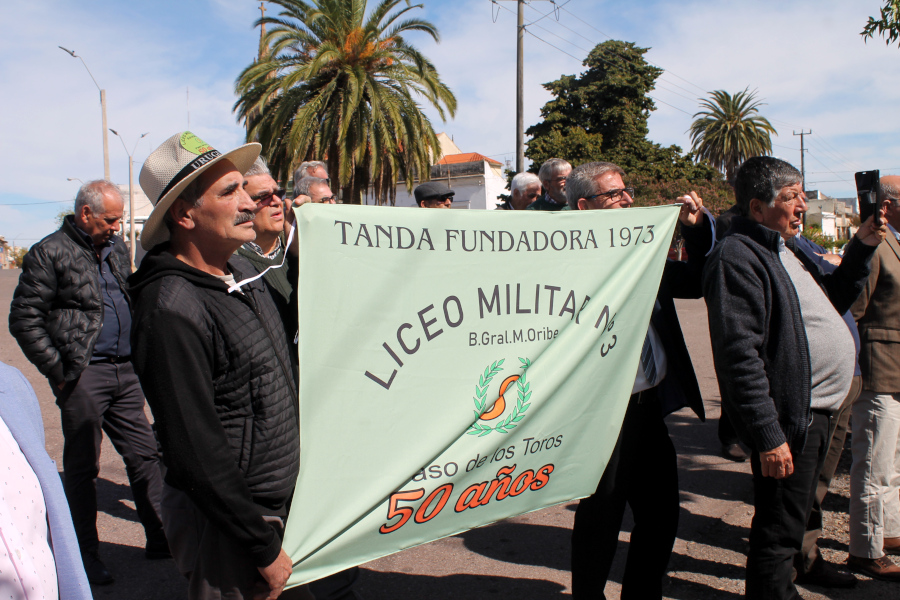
205,329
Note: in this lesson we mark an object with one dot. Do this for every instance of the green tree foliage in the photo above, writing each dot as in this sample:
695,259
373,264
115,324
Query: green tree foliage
602,115
337,86
730,130
18,256
887,25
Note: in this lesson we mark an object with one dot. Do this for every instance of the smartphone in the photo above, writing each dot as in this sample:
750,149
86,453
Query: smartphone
867,193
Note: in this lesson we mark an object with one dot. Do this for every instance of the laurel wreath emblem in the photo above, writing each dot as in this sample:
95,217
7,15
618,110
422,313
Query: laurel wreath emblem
523,389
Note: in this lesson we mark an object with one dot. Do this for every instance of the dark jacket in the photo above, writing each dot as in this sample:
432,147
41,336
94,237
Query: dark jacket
57,310
758,338
215,368
681,280
545,203
282,284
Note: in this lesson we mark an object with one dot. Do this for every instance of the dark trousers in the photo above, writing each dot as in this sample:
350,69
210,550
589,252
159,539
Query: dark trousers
642,472
782,510
108,397
840,423
727,434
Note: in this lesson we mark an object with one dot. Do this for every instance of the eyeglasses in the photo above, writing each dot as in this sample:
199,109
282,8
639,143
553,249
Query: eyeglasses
266,197
614,195
328,199
792,198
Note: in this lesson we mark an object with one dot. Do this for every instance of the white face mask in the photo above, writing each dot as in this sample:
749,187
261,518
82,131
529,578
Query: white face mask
237,286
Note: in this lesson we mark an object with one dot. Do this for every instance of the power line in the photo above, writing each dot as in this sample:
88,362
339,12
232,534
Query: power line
657,84
554,10
36,203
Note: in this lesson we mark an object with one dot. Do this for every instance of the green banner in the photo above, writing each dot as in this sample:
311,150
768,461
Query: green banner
460,367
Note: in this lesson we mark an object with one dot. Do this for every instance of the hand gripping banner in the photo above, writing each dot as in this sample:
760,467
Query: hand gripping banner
460,367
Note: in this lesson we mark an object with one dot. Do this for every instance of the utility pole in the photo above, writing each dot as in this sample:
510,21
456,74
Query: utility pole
103,110
130,190
520,89
520,86
803,164
802,156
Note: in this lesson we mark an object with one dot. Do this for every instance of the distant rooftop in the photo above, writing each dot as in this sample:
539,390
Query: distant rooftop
466,157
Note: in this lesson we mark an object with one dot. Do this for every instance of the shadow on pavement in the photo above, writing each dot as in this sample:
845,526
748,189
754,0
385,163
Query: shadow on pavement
138,578
693,590
378,585
111,499
522,544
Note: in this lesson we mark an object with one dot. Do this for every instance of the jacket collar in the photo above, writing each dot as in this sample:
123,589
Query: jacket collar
69,228
762,235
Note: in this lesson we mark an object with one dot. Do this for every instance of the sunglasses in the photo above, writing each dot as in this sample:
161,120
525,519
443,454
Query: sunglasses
267,197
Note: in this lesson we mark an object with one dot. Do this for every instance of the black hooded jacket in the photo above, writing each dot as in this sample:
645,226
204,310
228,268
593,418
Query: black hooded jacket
215,368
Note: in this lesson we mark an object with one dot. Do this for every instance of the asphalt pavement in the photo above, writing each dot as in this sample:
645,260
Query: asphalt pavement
524,558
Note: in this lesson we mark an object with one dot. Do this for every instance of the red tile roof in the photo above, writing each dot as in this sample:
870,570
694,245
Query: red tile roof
466,157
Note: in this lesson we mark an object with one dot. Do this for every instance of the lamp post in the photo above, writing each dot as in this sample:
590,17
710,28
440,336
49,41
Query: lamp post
74,179
103,110
130,188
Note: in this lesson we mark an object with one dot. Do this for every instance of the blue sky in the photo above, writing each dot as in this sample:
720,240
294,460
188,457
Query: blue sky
805,58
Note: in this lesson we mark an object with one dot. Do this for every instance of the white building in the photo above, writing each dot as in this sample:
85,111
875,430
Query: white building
832,215
476,179
142,209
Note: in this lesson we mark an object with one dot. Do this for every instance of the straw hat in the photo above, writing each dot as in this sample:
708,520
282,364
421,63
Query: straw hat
172,167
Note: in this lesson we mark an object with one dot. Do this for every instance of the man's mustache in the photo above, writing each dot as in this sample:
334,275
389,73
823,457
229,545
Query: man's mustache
244,217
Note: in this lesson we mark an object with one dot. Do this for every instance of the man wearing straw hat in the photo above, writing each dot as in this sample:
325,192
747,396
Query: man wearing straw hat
213,359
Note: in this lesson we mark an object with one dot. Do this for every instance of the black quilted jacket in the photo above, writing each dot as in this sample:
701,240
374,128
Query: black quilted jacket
57,311
215,368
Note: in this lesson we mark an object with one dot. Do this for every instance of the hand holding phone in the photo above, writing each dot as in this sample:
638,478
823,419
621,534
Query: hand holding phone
867,193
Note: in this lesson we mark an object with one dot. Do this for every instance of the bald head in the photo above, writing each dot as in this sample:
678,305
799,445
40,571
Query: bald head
889,195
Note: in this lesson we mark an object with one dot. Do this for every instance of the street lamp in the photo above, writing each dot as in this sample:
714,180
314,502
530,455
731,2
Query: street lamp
74,179
130,188
102,108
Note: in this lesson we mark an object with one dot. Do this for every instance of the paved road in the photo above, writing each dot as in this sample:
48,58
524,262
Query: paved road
525,558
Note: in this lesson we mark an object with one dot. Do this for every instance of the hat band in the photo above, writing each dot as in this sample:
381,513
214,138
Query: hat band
192,166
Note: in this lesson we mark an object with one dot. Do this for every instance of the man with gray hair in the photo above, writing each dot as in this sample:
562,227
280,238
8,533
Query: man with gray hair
642,470
525,189
875,475
71,315
783,356
310,168
316,189
553,175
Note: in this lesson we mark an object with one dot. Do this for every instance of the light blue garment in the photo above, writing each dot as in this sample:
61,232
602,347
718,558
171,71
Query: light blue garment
21,412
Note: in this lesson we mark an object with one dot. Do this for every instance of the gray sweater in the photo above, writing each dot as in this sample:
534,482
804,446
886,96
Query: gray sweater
759,341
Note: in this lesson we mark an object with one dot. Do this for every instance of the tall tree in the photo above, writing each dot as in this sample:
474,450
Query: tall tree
887,25
338,86
602,115
730,130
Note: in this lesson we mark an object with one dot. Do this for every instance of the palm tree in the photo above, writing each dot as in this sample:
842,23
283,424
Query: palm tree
342,88
730,130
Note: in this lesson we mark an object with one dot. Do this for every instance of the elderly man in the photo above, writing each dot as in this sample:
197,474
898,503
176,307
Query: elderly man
267,251
875,475
214,361
525,189
433,195
553,175
310,168
783,356
642,470
72,317
313,189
